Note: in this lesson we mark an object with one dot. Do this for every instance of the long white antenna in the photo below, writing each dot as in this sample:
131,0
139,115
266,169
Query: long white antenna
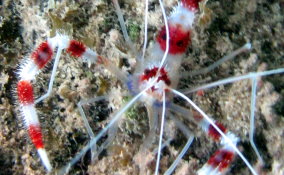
145,31
94,140
167,36
229,141
161,134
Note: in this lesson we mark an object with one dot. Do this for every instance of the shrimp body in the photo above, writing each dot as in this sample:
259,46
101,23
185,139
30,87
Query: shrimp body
179,27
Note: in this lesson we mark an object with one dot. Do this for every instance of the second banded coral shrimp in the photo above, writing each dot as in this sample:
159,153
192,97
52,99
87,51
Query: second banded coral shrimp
153,83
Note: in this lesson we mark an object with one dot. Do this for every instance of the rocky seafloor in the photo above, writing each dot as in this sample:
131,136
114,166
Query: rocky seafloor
227,26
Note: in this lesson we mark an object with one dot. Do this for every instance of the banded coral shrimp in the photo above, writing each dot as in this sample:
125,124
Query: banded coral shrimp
55,107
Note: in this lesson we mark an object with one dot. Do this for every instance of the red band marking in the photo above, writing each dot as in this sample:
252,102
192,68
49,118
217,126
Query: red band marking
179,39
42,55
212,132
76,48
25,92
221,159
151,73
192,5
36,136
